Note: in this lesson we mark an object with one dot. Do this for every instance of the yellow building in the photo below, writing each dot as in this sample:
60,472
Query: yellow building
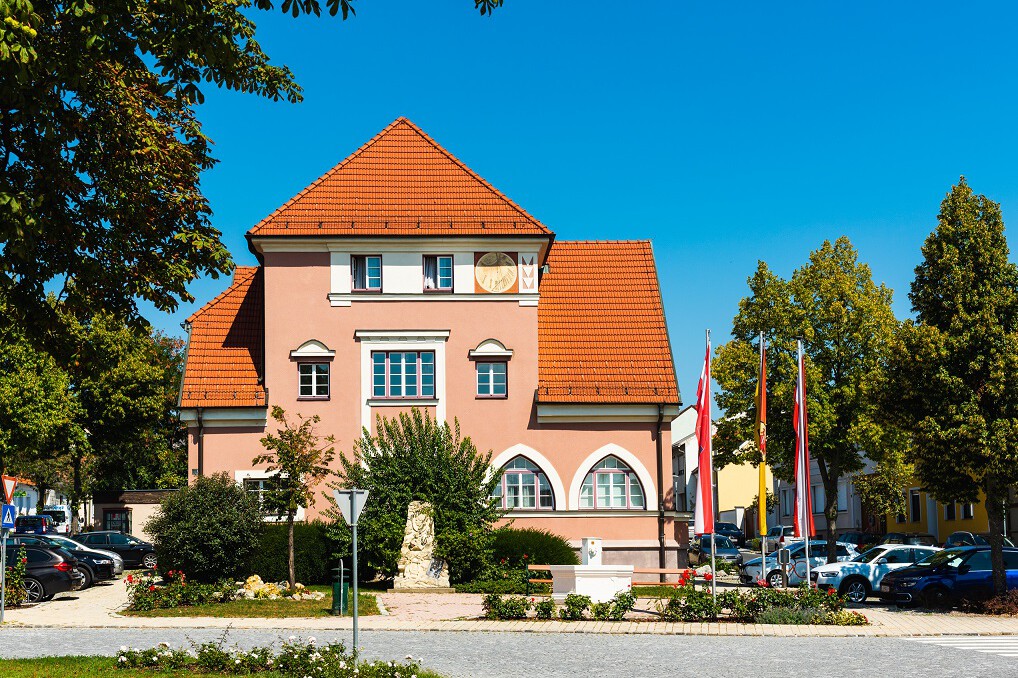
923,514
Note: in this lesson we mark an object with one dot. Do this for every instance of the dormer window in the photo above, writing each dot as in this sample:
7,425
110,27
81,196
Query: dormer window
367,273
437,273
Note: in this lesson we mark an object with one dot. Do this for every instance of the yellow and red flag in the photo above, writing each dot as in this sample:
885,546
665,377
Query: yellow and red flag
761,437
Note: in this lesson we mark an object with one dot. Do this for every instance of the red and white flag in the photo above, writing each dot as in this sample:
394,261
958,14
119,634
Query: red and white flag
703,513
802,521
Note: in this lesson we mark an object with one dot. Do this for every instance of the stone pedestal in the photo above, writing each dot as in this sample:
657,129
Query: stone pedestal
418,568
600,582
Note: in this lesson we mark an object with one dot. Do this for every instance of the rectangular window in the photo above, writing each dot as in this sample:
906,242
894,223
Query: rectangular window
786,502
314,380
949,511
437,273
967,511
914,505
403,374
818,498
842,497
256,488
117,519
491,380
367,273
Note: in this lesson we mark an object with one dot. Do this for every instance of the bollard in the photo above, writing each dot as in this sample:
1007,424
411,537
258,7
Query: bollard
339,590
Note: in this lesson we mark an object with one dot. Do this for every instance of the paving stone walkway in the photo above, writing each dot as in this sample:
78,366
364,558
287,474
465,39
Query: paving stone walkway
99,608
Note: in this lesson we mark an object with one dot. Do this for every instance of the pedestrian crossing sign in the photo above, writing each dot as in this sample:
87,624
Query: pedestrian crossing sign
8,514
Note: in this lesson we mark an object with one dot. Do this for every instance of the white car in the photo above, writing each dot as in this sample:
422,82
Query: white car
752,572
67,542
860,577
780,537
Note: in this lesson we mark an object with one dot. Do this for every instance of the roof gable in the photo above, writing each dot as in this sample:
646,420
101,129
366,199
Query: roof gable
400,183
602,338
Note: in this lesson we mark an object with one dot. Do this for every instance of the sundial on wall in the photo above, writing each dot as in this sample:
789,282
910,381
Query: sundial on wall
495,272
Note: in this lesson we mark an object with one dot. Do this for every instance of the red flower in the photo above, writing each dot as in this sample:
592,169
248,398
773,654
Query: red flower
151,588
761,582
830,592
525,556
24,560
708,577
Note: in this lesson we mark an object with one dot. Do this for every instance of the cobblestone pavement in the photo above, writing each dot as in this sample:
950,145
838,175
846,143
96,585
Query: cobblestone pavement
479,655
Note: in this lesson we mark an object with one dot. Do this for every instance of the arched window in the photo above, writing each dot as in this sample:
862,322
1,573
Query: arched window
611,485
524,486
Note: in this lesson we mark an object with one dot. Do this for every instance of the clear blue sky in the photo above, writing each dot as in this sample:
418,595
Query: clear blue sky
725,132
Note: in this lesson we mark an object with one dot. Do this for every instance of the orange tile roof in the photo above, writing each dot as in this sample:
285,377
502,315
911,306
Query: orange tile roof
401,183
602,336
226,346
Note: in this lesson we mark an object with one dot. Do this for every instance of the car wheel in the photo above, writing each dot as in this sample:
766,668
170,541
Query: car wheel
34,591
937,598
87,577
149,561
856,589
775,580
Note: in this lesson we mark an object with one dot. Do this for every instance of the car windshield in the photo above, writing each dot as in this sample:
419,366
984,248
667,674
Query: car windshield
57,516
869,556
726,526
948,557
719,542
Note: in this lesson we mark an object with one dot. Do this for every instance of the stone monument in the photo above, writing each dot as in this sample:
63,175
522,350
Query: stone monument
419,570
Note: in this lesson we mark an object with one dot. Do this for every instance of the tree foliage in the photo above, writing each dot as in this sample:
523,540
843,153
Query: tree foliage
846,324
298,463
101,148
413,458
209,530
950,380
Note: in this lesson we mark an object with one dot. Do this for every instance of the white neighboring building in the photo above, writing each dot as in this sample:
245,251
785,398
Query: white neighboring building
26,498
850,510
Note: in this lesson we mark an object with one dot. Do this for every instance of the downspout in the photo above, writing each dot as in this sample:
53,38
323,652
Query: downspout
661,492
201,441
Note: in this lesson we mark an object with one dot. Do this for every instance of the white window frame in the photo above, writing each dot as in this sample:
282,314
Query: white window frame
255,474
488,365
968,511
534,477
365,258
316,380
419,366
395,340
439,287
629,477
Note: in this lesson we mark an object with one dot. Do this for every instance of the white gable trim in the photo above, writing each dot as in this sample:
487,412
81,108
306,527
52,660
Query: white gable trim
312,348
611,449
521,450
490,348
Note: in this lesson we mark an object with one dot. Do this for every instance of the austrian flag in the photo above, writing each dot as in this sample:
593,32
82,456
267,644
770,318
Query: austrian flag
703,513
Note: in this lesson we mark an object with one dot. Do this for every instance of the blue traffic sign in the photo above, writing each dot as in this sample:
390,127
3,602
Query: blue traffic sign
7,513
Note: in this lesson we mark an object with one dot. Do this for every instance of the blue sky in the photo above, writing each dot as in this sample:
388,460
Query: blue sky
725,132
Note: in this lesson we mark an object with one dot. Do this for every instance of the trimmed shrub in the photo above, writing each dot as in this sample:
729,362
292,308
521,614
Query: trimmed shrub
208,530
574,607
315,553
497,607
545,608
539,546
787,615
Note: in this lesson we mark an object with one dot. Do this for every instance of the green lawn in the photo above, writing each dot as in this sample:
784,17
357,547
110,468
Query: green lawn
367,605
102,667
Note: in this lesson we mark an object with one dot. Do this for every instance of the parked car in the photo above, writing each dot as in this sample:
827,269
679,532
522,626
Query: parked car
49,571
41,524
948,576
71,544
135,552
724,549
770,572
777,536
862,541
858,578
732,531
970,539
61,515
92,565
921,539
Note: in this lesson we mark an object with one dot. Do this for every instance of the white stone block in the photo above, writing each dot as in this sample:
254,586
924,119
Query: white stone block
600,582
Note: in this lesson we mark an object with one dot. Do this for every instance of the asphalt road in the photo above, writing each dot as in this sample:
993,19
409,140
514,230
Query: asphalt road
525,654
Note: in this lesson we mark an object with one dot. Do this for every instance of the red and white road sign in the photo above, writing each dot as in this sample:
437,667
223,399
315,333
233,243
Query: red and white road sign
10,482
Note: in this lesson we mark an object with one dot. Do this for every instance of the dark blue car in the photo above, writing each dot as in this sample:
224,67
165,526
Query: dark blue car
947,576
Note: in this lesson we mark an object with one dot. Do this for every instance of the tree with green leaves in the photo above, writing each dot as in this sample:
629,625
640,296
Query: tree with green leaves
299,463
950,380
101,148
414,458
846,324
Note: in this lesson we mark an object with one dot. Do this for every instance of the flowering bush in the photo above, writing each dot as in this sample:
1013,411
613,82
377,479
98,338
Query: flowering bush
143,593
296,657
574,607
805,605
15,579
513,607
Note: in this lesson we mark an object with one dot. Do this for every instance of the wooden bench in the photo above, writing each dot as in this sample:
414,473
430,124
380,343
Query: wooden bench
637,570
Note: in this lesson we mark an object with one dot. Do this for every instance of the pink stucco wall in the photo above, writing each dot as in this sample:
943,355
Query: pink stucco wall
297,309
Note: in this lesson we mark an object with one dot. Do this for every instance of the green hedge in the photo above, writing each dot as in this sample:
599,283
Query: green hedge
315,553
540,546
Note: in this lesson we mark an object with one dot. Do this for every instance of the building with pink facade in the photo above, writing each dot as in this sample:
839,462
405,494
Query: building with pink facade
402,279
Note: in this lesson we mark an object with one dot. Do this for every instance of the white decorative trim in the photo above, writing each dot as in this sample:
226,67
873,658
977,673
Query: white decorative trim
549,413
611,449
490,348
628,543
558,490
346,299
402,340
312,348
403,402
585,513
220,417
255,474
374,244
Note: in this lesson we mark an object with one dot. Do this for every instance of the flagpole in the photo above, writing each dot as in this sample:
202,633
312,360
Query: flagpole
761,443
804,470
713,516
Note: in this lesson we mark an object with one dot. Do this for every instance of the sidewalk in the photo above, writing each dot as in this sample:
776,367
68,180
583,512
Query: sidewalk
97,608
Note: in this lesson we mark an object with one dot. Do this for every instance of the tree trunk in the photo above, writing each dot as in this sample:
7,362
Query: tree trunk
996,504
75,498
289,526
831,514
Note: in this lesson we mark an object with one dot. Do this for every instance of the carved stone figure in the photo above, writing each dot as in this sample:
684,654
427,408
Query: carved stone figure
418,568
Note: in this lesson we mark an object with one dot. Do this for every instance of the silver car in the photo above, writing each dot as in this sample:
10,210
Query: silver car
770,571
67,542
